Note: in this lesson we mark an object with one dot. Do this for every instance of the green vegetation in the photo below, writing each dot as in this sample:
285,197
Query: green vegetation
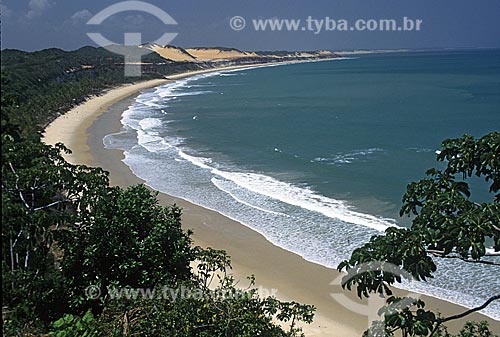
446,223
83,258
48,83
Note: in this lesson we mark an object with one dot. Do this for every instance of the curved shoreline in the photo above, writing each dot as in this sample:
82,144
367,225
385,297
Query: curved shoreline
275,268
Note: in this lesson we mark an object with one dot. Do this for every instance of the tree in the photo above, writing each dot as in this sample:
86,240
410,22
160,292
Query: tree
210,304
446,223
40,193
127,240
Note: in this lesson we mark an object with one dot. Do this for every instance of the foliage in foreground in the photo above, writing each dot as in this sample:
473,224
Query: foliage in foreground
447,224
65,229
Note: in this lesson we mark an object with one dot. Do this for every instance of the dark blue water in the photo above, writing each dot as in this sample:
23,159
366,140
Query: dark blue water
316,156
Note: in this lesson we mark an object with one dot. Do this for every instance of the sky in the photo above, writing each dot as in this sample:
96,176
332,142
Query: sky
39,24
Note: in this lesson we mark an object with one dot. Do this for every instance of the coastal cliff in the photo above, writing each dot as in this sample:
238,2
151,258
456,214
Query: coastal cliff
230,56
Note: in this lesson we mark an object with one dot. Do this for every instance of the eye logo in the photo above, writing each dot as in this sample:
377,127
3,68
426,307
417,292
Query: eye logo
132,55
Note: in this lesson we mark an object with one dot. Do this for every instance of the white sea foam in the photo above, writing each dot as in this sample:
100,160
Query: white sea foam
149,123
150,142
349,157
149,100
420,150
220,185
228,75
294,195
175,94
254,182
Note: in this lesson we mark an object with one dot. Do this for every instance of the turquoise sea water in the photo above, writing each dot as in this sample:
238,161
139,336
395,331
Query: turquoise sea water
316,156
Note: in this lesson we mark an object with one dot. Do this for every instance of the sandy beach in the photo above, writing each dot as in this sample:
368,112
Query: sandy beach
293,278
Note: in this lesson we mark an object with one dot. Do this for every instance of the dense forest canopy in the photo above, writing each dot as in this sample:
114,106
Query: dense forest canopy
45,84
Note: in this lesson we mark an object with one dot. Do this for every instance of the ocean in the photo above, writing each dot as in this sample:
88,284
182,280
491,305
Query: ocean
316,156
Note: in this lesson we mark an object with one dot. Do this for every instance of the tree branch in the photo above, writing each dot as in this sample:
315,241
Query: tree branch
17,186
51,204
441,254
468,312
32,208
465,313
